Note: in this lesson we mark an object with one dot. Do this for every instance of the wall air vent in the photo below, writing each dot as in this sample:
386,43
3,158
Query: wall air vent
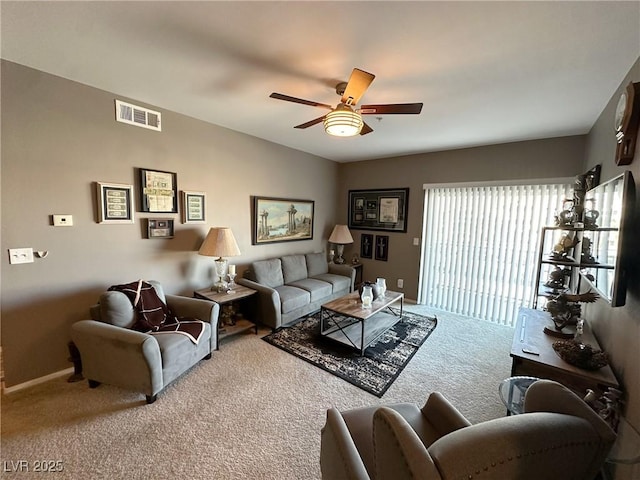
139,116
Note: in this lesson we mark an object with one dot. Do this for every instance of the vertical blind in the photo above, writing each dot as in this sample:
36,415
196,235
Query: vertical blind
480,250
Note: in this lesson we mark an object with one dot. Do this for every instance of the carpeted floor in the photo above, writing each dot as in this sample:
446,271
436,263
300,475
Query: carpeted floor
251,412
382,361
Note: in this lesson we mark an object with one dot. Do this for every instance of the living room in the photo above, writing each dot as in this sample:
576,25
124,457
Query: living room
59,137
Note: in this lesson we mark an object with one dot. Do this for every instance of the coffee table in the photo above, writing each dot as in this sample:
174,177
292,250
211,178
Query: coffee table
346,321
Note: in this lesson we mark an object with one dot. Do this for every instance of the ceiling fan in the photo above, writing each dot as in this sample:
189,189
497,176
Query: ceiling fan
344,120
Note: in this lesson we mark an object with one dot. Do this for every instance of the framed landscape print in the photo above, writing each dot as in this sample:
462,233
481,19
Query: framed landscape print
115,203
193,207
158,191
281,220
384,209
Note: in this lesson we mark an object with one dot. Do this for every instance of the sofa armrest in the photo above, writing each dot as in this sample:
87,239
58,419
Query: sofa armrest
339,457
345,270
269,299
398,451
119,356
197,308
444,417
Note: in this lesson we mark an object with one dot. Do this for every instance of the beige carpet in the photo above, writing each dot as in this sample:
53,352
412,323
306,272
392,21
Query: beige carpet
251,412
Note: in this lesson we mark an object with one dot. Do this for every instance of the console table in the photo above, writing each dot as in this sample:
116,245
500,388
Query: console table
533,355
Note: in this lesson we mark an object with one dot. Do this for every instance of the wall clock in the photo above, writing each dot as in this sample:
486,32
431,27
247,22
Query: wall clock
627,121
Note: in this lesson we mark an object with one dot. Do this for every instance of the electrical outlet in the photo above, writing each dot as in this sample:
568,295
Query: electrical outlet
20,255
400,283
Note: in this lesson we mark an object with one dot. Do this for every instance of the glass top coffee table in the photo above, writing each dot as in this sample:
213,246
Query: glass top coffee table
346,321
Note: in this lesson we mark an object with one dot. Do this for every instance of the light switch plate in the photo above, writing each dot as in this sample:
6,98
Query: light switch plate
20,255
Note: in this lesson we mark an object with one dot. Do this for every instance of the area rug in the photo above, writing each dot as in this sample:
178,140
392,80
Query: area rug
381,363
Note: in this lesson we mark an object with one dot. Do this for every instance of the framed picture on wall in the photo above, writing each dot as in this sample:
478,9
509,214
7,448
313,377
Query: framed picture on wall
193,207
159,228
115,202
158,191
384,209
366,245
281,220
382,247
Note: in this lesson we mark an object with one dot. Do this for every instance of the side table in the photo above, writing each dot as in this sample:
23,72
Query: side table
512,391
238,294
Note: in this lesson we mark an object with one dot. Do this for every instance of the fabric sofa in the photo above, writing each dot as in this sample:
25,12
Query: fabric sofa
111,352
558,437
292,286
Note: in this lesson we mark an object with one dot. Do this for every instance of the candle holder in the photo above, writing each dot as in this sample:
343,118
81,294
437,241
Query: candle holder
231,285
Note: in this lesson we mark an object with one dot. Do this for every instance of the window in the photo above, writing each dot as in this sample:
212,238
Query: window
479,253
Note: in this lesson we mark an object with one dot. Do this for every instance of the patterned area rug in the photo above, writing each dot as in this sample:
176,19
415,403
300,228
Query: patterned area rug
381,363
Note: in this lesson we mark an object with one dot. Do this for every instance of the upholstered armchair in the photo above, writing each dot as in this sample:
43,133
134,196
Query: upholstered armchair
111,352
558,437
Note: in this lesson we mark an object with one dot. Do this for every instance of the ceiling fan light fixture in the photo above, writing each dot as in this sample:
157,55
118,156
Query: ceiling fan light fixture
343,122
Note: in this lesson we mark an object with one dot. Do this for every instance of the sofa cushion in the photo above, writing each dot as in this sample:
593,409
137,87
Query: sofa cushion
317,288
340,283
316,264
294,267
292,298
269,272
116,309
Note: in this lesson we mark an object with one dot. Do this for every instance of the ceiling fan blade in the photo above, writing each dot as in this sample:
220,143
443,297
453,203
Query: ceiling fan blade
287,98
391,108
311,123
366,129
357,85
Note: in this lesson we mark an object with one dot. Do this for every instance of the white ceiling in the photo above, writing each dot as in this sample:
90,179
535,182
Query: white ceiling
487,72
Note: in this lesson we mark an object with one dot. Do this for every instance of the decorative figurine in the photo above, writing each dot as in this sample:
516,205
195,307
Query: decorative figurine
565,310
562,249
587,257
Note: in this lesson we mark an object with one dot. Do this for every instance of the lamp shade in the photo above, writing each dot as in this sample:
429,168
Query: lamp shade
341,235
343,122
220,242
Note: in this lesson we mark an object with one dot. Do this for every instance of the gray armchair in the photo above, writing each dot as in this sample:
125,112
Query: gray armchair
112,353
558,436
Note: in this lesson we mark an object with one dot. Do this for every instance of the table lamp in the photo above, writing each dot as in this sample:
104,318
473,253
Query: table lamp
340,237
220,243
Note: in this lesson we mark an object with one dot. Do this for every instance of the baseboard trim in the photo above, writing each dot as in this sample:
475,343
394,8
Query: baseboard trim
38,381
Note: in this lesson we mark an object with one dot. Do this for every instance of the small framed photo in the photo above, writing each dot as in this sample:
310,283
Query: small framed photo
159,228
366,245
193,207
158,191
115,202
382,247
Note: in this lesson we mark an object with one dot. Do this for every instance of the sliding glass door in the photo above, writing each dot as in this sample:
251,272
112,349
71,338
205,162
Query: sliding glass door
480,242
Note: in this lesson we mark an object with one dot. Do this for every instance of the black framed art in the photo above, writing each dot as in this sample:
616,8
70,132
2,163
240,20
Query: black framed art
383,209
366,245
382,247
158,191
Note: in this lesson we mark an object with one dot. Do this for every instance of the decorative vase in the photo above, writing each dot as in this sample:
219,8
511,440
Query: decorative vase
382,286
374,289
366,296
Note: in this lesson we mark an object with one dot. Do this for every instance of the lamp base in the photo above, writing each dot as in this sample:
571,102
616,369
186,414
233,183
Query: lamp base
339,259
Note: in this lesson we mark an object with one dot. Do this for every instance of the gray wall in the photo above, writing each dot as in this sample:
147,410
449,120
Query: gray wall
552,158
58,137
618,329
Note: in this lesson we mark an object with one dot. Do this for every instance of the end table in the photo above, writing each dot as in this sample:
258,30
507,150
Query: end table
239,293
